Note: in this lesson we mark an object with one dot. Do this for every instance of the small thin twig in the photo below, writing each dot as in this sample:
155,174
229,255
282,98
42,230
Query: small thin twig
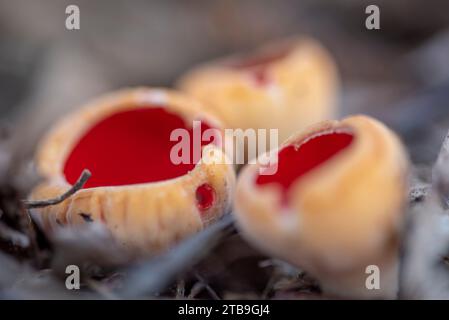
103,291
269,286
196,289
207,287
29,204
180,289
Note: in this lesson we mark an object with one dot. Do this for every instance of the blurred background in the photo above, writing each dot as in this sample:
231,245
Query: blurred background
399,73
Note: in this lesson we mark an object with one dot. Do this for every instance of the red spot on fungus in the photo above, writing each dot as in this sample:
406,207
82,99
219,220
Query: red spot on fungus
205,197
129,147
294,162
257,64
261,59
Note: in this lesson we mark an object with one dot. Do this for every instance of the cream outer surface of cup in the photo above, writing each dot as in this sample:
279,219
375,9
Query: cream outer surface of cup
145,218
342,216
301,89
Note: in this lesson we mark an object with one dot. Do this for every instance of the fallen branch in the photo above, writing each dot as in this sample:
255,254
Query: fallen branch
152,276
29,204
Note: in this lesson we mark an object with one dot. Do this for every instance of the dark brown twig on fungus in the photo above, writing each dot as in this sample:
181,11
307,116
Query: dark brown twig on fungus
29,204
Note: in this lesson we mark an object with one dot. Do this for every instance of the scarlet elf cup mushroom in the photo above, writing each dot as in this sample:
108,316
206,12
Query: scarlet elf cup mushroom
333,207
146,201
286,85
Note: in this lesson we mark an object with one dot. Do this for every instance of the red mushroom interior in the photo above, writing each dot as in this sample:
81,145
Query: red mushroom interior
294,162
130,147
257,64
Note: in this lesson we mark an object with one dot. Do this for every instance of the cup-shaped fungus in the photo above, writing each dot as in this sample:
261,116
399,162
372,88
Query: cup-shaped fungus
285,85
333,206
139,189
